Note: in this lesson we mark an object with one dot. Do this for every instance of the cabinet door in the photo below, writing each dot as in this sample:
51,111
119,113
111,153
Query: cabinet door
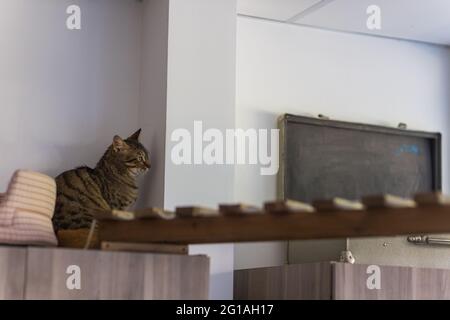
114,275
351,282
298,281
12,272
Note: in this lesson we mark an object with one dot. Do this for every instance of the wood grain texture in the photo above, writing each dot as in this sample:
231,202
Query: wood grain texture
310,281
293,226
283,206
116,275
12,272
401,283
239,209
77,238
340,281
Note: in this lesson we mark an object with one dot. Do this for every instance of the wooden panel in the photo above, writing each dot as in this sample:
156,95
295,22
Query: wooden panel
289,226
12,272
349,282
146,247
302,281
116,275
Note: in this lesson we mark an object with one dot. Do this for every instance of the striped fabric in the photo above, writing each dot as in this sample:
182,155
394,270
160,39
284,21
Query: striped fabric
27,208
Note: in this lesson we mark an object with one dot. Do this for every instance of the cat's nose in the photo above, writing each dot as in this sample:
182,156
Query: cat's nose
147,164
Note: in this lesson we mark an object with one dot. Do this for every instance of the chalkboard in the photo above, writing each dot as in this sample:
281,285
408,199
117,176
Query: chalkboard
323,159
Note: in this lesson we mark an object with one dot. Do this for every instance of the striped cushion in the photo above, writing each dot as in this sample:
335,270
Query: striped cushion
27,208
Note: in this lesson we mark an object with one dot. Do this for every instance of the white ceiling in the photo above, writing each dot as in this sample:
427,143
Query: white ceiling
419,20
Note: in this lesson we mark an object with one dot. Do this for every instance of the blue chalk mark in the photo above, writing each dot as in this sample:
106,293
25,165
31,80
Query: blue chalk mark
408,148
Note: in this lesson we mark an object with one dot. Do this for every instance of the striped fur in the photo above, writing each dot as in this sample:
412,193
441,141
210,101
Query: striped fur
110,185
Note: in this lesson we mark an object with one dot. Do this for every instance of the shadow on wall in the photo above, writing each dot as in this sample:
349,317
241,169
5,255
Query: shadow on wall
248,176
151,190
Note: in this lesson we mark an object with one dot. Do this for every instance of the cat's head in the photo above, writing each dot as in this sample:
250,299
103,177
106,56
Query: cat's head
131,153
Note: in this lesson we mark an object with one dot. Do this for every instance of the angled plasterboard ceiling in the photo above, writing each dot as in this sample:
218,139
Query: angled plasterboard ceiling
417,20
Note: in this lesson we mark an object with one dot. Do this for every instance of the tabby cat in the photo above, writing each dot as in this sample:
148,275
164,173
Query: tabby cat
110,185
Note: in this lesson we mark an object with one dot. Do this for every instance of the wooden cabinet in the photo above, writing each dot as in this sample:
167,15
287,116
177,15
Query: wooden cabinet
42,273
341,281
12,272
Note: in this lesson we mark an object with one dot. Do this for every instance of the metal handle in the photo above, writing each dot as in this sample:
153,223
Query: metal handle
426,240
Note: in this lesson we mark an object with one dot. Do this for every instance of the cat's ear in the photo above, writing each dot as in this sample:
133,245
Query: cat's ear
135,136
118,143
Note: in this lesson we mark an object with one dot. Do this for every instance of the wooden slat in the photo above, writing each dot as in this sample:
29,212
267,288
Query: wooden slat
267,227
388,201
284,206
122,215
337,204
188,212
145,247
154,213
239,209
435,198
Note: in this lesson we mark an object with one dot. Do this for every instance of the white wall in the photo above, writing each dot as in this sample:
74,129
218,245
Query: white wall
290,69
201,86
64,94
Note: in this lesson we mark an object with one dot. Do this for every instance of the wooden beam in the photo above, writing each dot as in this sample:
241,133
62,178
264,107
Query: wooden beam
288,226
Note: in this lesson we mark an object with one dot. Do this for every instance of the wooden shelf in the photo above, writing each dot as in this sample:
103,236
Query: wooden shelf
289,226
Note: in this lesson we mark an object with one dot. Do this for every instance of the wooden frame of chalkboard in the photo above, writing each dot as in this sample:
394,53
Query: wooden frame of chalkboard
288,119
